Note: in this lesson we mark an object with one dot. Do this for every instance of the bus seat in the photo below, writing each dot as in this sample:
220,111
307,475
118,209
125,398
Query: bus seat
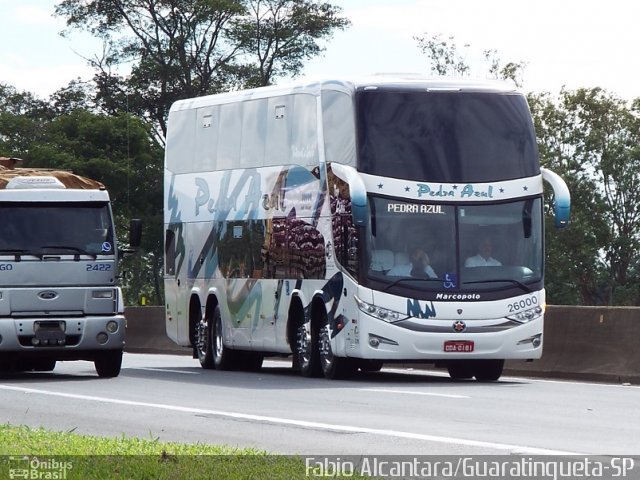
401,258
381,260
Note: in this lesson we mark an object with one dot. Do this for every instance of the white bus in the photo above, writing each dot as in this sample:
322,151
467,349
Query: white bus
349,223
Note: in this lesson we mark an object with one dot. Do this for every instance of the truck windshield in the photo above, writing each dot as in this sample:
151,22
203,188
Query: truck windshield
446,137
56,228
432,247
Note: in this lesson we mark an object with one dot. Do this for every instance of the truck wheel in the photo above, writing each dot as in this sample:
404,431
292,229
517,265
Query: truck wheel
222,356
332,367
5,362
204,343
488,370
108,363
44,365
307,354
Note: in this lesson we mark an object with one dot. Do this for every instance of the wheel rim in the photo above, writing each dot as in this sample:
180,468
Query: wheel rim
324,345
219,345
202,342
303,341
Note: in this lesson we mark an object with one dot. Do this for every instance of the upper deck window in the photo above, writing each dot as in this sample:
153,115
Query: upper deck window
445,136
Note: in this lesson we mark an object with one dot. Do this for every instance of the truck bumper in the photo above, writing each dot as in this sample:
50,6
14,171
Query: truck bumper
62,337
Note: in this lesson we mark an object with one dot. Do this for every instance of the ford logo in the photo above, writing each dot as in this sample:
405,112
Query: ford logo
48,295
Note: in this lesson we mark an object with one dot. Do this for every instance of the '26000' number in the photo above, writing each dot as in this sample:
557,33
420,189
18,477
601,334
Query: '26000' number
522,304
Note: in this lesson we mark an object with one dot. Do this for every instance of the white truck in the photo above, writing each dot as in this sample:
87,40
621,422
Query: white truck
59,293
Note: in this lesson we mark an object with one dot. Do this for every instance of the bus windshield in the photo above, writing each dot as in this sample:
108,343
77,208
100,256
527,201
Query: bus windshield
445,136
430,247
35,228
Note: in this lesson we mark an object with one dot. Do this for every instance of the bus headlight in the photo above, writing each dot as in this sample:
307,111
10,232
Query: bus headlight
526,316
389,316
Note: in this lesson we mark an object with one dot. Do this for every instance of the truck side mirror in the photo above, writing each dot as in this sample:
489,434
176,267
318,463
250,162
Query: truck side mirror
135,232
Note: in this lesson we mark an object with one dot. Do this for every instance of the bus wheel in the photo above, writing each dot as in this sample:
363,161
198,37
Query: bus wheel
250,361
370,365
460,369
307,356
488,370
222,356
332,367
204,347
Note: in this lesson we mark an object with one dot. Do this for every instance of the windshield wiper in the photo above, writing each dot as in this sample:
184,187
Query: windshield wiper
79,251
18,252
12,251
411,279
500,280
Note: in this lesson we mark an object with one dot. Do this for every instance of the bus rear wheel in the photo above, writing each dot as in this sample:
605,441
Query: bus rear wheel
222,356
204,344
307,355
332,367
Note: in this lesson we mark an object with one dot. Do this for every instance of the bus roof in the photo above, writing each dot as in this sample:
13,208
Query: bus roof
313,85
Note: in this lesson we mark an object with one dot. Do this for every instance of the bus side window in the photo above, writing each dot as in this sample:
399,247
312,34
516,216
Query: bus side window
170,252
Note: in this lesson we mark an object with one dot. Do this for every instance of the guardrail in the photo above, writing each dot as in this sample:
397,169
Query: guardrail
583,343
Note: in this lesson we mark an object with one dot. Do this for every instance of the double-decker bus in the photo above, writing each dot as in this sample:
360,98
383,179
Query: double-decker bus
349,223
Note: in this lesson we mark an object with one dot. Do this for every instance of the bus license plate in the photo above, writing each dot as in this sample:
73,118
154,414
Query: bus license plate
458,346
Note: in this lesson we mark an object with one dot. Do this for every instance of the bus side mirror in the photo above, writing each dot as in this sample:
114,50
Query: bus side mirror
562,203
135,232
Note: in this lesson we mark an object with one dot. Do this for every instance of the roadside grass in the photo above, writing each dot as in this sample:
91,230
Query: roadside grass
38,453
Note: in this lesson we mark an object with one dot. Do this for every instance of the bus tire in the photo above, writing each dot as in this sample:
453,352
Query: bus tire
488,370
250,361
460,369
307,353
334,368
204,343
222,356
108,363
370,365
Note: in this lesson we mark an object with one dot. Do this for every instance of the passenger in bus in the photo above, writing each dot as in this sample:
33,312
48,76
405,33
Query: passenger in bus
483,257
419,266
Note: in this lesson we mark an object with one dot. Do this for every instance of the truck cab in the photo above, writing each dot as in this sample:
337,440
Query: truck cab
59,293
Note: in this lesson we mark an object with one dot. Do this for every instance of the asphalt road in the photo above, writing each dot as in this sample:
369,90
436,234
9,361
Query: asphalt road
408,412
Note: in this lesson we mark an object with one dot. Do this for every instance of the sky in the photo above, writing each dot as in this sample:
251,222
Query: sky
570,43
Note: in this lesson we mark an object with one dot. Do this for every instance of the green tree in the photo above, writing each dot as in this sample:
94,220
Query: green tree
573,267
118,152
445,59
443,55
604,136
187,48
21,118
277,36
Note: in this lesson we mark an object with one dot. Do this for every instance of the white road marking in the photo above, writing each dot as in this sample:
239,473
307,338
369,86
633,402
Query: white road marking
520,449
151,369
412,392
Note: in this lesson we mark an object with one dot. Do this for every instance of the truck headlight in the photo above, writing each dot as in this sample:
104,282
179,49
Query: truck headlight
386,315
102,294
